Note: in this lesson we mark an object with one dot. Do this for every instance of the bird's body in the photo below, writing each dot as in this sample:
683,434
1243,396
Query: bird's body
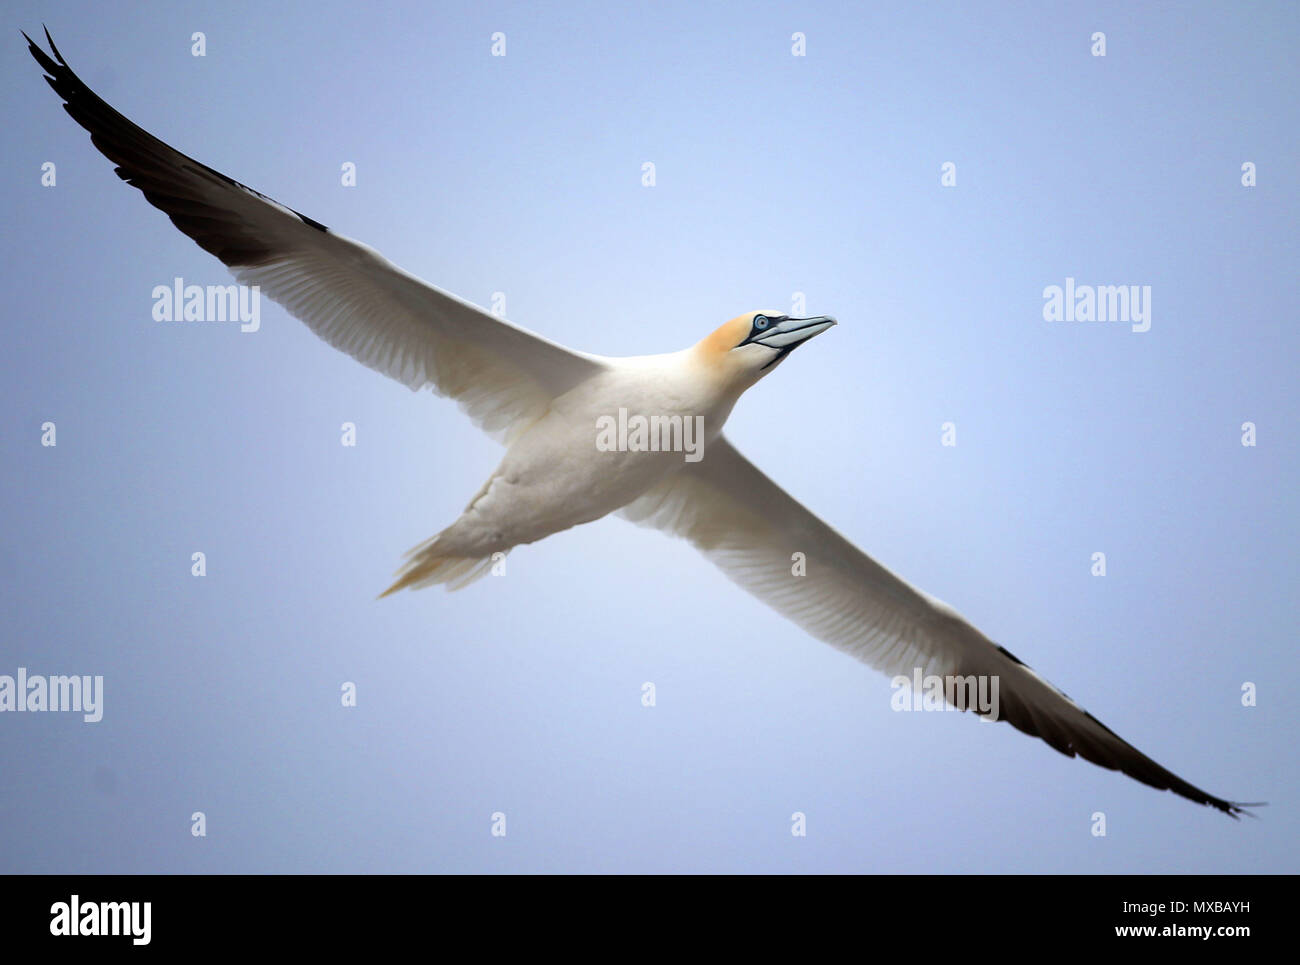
562,416
554,476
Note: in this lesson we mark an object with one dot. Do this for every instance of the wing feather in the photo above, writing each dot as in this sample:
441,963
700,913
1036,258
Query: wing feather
750,528
503,376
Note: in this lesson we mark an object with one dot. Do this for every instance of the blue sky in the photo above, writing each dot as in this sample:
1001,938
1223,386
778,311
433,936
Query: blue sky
775,174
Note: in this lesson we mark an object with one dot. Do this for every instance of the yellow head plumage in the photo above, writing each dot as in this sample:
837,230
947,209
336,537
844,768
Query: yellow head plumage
740,352
725,337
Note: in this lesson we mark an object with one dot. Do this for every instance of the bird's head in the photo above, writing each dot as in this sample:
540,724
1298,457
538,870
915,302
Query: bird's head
749,346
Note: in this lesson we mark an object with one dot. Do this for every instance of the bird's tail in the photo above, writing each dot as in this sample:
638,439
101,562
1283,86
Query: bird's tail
430,563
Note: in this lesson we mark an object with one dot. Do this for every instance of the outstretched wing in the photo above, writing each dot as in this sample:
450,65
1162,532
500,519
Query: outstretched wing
503,376
750,528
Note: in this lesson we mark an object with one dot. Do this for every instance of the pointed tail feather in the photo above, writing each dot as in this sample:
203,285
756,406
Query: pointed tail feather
427,565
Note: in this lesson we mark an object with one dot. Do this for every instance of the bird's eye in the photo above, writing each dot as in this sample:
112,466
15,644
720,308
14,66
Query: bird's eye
760,321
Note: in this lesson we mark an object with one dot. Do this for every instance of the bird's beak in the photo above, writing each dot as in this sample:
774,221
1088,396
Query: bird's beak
789,332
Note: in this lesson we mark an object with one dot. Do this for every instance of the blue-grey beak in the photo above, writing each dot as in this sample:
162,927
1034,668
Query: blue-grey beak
784,333
789,332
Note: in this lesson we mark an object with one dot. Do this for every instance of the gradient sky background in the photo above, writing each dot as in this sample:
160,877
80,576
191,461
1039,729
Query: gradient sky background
776,174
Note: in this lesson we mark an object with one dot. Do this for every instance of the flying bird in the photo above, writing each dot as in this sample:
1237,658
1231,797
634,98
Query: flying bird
544,403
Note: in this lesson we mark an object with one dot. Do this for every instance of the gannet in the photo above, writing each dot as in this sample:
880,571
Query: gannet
544,402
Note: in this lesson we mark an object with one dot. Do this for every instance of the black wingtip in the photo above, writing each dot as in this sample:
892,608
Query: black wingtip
48,64
52,47
1235,809
1239,808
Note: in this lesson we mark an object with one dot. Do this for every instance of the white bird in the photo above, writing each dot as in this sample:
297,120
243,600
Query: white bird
544,402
